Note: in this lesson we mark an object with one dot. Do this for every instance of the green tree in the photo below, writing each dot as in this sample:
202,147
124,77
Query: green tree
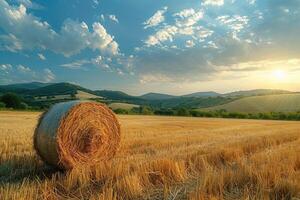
146,110
2,105
183,112
23,106
120,111
11,100
73,95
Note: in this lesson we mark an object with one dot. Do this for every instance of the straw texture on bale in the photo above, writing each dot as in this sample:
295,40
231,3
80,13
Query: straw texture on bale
75,133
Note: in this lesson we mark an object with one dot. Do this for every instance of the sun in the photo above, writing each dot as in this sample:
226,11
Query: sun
279,75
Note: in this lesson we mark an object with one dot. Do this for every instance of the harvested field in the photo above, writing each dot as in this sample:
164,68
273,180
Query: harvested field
161,158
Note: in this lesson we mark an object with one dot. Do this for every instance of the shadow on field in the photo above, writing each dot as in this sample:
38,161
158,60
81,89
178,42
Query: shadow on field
25,168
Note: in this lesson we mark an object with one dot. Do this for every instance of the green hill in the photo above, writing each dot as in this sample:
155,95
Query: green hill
203,94
115,95
261,104
257,92
157,96
125,106
24,86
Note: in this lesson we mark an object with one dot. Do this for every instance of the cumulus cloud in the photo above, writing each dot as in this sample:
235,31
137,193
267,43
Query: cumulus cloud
188,17
21,73
189,43
113,18
48,75
185,24
152,78
76,64
165,34
5,68
251,1
41,56
156,19
29,4
203,33
227,44
23,69
236,22
213,2
25,31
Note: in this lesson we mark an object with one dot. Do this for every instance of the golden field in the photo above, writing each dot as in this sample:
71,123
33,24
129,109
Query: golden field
161,158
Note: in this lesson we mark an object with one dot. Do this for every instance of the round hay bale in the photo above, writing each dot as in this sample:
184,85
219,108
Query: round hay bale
75,133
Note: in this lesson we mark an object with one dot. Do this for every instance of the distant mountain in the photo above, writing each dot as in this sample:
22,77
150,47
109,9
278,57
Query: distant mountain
156,96
257,92
262,104
203,94
57,89
45,94
28,86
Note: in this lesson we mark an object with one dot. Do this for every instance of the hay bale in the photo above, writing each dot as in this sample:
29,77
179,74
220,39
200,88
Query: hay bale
74,133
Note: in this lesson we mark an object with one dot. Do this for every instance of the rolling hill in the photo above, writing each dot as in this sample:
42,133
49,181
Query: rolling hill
262,100
203,94
125,106
156,96
85,95
257,92
116,95
261,104
24,86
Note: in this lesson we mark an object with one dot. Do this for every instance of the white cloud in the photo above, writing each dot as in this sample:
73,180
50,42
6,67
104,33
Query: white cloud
189,43
21,73
188,17
48,75
102,17
113,18
185,25
156,19
185,13
156,77
251,1
212,44
213,2
96,2
23,69
29,4
25,31
165,34
103,41
76,64
235,22
10,43
41,56
5,68
203,33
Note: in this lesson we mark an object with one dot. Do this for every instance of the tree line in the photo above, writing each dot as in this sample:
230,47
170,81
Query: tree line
181,111
13,101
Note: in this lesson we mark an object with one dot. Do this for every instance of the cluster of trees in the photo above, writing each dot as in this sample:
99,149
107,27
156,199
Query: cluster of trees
266,115
181,111
11,100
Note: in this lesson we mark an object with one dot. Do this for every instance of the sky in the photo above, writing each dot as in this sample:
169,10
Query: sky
140,46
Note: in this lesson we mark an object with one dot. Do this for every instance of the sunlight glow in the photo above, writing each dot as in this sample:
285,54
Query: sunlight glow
279,75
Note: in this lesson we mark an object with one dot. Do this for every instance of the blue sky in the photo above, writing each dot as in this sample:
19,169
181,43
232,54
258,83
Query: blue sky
140,46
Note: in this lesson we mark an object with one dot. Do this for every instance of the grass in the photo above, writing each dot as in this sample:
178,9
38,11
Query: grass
263,104
125,106
85,95
79,95
162,158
